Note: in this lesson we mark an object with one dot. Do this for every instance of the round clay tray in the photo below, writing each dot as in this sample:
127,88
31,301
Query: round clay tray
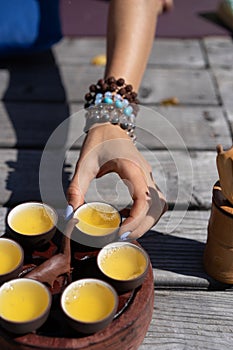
127,330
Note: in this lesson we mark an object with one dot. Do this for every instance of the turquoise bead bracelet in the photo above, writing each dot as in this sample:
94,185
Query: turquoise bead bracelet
112,101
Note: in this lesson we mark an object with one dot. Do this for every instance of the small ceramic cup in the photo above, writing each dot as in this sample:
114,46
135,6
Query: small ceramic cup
24,305
11,259
89,305
124,264
32,224
98,224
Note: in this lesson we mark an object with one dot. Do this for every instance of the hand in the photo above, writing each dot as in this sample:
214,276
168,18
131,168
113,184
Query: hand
107,148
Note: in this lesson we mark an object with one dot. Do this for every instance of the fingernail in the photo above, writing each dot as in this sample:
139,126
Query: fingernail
69,212
124,236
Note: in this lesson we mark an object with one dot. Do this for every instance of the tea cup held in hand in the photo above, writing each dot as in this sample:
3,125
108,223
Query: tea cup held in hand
98,224
32,224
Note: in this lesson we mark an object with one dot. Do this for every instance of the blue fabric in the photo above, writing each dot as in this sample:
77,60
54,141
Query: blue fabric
28,25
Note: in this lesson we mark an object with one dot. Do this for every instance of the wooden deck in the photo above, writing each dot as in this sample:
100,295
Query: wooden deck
191,310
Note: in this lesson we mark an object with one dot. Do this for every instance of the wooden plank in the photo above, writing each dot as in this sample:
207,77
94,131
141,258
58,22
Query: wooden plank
157,84
77,79
27,125
19,180
189,86
23,125
31,82
229,117
194,128
190,320
185,53
219,51
3,213
42,58
4,81
224,78
175,246
19,176
175,172
73,51
200,128
50,83
177,53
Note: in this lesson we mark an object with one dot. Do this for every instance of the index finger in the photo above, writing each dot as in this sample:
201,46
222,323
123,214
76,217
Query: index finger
141,197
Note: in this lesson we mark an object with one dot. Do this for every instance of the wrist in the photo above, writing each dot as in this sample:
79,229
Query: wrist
106,131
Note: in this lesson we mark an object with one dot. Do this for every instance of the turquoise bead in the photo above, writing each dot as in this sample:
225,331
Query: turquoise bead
98,96
98,101
108,94
118,104
117,97
108,100
128,111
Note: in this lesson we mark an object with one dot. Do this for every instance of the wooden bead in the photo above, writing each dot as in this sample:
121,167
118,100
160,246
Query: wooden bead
111,80
120,82
128,97
112,87
129,88
101,82
92,88
122,91
104,87
86,105
88,96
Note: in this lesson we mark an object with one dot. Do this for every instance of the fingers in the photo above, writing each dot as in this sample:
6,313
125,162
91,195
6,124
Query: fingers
77,190
137,185
75,197
79,185
137,215
157,209
85,171
150,220
99,157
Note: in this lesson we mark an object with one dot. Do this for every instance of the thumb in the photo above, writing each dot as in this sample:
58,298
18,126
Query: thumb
78,187
74,196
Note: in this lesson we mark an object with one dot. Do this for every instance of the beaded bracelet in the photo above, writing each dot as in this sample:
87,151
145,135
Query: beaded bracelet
113,101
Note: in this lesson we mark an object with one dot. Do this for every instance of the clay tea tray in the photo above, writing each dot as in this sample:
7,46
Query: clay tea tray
127,330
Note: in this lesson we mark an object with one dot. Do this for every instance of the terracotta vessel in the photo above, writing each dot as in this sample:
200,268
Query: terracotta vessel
218,254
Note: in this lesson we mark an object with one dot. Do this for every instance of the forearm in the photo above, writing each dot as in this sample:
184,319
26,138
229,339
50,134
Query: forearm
131,29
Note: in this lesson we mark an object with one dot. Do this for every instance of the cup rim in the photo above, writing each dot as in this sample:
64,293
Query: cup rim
30,280
121,244
90,280
21,251
99,202
29,203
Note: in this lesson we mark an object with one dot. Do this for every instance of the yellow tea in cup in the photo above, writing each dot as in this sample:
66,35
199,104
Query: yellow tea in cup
97,218
88,300
23,300
11,256
122,261
32,218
